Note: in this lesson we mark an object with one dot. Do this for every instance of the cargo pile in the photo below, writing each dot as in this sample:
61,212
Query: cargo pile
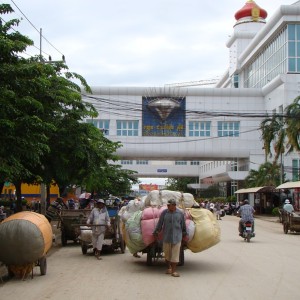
25,237
140,217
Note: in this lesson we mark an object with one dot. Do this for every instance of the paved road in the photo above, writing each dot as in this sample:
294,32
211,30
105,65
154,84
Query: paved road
267,268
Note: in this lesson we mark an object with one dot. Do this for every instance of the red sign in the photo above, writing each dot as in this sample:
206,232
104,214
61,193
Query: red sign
148,187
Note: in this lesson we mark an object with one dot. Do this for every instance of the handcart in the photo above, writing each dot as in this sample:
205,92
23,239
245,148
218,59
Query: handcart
69,219
291,222
113,238
155,252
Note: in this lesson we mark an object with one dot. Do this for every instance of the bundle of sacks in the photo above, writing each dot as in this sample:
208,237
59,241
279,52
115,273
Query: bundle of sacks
25,237
141,216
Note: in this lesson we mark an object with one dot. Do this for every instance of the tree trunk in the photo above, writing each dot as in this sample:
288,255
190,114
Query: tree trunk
1,187
19,196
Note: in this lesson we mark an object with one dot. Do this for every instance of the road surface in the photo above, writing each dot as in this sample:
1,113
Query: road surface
266,268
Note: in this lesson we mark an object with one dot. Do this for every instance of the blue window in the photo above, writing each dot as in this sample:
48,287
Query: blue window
230,129
296,169
199,128
127,128
293,48
126,162
103,125
142,162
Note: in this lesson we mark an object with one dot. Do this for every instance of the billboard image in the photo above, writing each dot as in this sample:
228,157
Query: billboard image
163,116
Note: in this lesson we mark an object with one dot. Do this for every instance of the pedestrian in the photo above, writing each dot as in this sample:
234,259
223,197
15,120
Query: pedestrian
2,213
288,206
172,222
218,210
54,209
100,220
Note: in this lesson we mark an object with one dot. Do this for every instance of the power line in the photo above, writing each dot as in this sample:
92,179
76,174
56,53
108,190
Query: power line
41,36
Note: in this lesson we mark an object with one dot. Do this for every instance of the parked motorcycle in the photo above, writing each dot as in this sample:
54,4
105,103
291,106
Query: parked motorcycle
248,231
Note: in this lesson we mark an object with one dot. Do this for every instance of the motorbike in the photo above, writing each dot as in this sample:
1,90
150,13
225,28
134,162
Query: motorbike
248,231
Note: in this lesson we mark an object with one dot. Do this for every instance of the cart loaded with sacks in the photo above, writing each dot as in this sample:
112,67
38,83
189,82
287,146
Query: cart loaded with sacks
141,216
113,238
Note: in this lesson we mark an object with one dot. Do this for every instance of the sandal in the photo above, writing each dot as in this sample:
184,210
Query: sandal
169,271
175,274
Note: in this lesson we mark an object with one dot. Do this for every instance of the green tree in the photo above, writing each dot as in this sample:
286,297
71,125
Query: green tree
42,116
282,130
24,134
268,174
180,184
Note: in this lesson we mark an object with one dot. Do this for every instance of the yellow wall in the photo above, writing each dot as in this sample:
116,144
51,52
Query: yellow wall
29,191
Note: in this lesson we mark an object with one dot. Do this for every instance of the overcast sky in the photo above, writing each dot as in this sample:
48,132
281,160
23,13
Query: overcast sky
135,42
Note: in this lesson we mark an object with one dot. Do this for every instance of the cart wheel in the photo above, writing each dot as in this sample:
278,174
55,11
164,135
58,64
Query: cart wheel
151,255
10,272
285,228
149,258
122,245
63,238
248,237
43,265
181,257
84,248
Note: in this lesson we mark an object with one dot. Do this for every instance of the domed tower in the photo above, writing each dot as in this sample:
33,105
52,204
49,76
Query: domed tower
249,21
250,13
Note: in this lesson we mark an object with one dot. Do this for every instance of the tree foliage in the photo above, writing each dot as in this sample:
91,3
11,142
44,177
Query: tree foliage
282,131
268,174
44,137
180,184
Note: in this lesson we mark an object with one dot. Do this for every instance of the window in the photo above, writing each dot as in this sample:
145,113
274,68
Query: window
231,129
269,62
103,125
296,169
126,162
235,80
127,128
199,128
195,163
293,48
234,186
142,162
234,165
180,163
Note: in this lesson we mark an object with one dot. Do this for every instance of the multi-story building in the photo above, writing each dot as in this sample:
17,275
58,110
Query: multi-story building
211,132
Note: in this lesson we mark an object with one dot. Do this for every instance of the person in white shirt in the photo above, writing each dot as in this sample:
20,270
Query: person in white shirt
98,217
288,206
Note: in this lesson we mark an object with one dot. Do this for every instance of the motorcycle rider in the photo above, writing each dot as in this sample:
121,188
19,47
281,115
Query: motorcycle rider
246,212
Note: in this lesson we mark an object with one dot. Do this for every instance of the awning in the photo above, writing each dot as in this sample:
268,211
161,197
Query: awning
289,185
258,189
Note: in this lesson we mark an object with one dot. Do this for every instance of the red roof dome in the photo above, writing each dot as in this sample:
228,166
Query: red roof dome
251,9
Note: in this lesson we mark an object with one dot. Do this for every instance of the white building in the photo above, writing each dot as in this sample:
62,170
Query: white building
211,132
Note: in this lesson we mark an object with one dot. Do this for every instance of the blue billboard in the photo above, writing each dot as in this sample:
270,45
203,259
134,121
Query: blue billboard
163,116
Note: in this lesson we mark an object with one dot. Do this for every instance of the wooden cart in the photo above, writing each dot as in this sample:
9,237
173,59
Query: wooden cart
113,236
155,252
69,220
291,222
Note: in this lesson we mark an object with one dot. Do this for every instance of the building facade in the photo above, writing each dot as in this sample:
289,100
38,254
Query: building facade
211,132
